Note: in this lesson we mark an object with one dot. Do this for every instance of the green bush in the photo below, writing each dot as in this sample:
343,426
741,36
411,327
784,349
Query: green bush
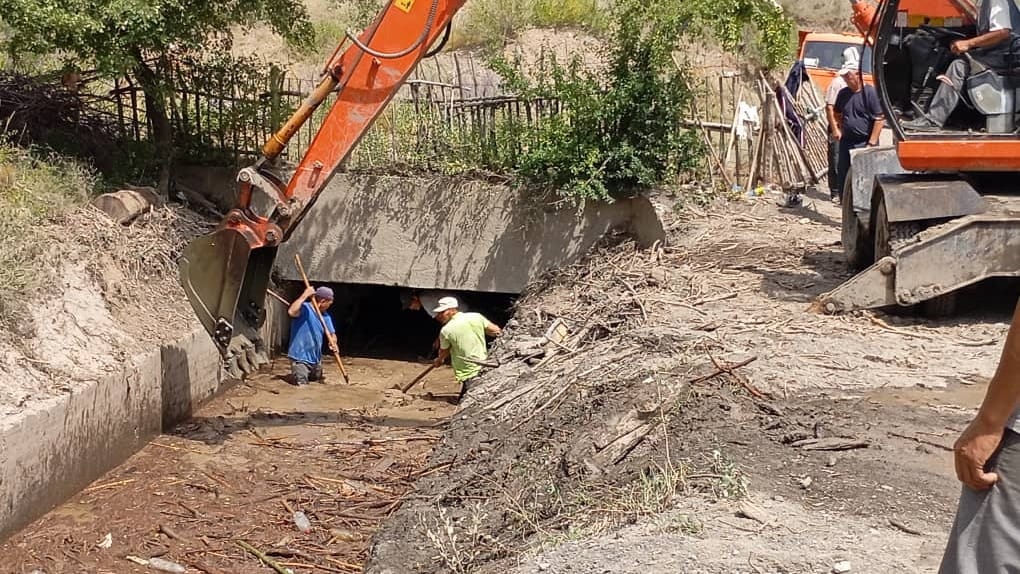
582,14
618,132
619,129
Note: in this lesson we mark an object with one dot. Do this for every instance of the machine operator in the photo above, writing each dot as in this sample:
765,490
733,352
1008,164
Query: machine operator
996,46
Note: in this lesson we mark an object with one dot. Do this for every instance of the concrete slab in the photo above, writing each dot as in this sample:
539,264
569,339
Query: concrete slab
436,232
449,233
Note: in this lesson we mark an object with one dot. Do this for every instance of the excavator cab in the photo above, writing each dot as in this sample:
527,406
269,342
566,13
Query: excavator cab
939,211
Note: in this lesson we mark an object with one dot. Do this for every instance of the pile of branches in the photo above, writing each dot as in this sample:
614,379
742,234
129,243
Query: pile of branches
40,111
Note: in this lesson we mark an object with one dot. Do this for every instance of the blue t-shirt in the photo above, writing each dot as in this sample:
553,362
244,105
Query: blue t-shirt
859,111
306,336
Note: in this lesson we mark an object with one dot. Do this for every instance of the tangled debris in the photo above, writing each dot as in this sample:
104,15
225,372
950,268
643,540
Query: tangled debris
580,429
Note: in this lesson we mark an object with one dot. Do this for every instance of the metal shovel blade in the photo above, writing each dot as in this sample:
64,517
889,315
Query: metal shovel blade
225,280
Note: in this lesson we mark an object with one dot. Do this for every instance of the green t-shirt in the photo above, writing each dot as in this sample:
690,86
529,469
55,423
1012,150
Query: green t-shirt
464,336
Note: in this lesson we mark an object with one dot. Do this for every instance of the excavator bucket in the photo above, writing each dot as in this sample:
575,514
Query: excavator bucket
225,279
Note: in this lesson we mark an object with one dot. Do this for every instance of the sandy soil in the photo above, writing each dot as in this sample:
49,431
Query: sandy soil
670,431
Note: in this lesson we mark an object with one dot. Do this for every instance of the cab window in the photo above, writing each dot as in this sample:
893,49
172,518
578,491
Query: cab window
829,55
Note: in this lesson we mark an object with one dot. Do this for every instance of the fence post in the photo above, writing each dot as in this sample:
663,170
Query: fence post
275,85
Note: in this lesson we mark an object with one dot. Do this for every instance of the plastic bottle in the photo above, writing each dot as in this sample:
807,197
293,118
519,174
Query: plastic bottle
166,566
302,522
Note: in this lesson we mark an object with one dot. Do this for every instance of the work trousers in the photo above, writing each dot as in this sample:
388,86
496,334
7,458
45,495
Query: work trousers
947,97
303,372
833,176
843,161
985,538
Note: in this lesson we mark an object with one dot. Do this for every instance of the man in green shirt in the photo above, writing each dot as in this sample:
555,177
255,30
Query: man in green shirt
462,338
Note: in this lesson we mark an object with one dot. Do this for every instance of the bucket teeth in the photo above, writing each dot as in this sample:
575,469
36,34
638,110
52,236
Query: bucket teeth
233,371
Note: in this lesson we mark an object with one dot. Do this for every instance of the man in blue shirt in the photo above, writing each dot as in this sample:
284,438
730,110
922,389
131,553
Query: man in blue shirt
306,336
860,119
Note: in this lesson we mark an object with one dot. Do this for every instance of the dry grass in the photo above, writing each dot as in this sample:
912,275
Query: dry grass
820,15
34,188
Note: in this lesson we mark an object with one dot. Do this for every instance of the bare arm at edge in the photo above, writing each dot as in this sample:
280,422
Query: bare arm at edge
981,438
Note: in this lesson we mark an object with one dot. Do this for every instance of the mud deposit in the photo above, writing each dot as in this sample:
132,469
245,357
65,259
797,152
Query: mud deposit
344,455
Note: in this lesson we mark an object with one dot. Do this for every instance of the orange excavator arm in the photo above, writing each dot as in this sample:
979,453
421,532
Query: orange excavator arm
225,274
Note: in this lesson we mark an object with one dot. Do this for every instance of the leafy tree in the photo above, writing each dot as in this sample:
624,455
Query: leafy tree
141,37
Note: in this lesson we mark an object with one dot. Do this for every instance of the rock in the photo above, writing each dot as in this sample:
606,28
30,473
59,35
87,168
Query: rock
126,205
831,462
805,482
841,567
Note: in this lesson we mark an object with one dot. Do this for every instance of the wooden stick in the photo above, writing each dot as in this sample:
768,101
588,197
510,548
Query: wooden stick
278,297
325,329
261,556
733,129
409,386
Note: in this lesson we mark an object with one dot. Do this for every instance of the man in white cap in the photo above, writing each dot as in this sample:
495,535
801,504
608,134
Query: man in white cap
837,84
860,119
462,339
306,336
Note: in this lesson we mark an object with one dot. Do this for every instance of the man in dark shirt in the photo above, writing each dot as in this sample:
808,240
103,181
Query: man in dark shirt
860,120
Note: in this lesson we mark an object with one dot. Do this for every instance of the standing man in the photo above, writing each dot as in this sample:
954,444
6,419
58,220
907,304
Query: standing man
994,47
462,338
985,538
837,84
306,336
860,120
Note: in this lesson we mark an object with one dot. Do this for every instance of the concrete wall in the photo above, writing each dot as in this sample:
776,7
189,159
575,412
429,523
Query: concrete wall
446,233
437,232
53,450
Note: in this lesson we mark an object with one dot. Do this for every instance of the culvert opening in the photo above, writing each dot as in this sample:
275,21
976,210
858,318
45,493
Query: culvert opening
375,321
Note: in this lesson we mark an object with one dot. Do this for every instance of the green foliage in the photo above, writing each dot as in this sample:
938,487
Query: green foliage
758,29
618,132
114,35
491,24
583,14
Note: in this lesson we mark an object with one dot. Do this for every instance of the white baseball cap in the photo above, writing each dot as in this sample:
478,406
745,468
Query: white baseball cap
848,68
446,303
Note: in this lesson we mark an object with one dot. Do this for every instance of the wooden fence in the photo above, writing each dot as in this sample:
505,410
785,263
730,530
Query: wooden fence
448,117
446,110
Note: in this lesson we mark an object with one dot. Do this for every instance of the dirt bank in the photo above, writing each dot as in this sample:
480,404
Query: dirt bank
344,455
694,381
108,294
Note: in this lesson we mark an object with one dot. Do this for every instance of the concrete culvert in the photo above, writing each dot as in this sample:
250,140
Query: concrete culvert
385,322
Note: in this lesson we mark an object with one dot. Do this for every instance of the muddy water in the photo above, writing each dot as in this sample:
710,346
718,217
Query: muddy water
959,396
345,455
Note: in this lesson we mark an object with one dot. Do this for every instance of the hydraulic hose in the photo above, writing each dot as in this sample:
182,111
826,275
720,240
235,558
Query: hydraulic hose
442,43
394,55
